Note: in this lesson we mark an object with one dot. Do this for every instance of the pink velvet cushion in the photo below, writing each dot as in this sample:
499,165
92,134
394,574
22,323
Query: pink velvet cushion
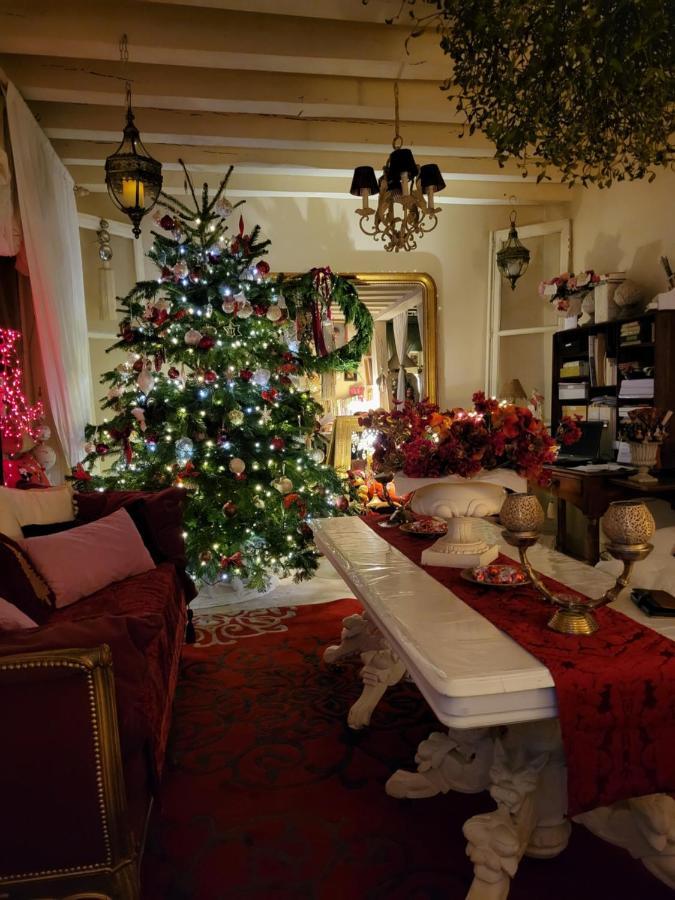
12,618
79,562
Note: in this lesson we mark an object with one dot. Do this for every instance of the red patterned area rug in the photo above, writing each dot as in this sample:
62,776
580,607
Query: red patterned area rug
267,794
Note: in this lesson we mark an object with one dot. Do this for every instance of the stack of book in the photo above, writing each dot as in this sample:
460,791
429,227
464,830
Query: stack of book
637,388
630,333
574,369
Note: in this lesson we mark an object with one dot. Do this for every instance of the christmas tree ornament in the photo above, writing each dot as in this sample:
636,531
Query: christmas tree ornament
229,509
183,448
173,372
206,342
342,503
277,443
102,448
263,267
223,208
283,484
45,456
261,377
89,447
193,337
236,416
317,455
145,382
180,270
259,503
274,313
223,439
167,223
237,465
206,556
195,276
229,305
139,415
115,392
246,374
199,436
245,311
210,376
266,416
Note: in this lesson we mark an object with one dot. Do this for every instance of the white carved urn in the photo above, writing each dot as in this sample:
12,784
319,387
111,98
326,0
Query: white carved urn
460,501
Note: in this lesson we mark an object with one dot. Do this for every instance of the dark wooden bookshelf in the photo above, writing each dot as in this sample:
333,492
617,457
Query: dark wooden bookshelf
655,350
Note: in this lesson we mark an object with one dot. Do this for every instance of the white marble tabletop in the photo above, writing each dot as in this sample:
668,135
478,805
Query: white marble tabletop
471,673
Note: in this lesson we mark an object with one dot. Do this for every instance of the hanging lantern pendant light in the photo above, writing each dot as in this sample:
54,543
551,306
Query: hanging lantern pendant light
513,258
132,176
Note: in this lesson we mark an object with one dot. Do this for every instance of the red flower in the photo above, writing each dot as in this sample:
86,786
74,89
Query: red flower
259,309
270,394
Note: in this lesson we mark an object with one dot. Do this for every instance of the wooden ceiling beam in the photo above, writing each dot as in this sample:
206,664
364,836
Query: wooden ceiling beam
99,82
217,38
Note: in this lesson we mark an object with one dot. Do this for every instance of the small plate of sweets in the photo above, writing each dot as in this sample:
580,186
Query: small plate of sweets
426,527
499,575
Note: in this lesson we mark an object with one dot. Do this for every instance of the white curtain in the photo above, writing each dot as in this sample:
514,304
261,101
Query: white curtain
381,365
421,379
400,324
52,243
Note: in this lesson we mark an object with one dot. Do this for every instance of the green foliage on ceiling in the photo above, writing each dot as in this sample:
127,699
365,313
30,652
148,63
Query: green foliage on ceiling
586,87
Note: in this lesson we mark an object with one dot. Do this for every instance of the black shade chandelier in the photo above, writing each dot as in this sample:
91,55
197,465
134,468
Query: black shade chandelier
405,204
513,258
132,176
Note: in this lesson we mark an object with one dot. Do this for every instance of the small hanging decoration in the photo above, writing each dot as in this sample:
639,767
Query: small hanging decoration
237,465
513,258
184,449
106,274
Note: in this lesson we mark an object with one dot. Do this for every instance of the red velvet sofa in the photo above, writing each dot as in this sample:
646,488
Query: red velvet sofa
86,706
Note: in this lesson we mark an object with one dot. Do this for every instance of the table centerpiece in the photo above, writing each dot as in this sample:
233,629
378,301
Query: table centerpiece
567,293
459,464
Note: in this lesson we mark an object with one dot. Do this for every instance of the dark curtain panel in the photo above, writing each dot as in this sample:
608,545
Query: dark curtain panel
10,310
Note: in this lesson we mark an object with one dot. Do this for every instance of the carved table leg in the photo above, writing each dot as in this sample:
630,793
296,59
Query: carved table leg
382,668
529,786
358,635
645,826
456,761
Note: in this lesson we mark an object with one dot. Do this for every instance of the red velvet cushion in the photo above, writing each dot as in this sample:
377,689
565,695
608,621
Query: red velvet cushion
21,584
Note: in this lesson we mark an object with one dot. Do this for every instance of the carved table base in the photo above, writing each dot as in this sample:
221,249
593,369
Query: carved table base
522,766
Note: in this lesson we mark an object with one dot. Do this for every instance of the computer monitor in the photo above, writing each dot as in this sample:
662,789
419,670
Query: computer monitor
588,445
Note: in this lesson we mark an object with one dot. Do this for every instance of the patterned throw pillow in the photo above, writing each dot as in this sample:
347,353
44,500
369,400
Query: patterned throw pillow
21,584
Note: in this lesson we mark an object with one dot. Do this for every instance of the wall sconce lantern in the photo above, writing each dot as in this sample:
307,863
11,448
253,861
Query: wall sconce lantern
514,257
132,176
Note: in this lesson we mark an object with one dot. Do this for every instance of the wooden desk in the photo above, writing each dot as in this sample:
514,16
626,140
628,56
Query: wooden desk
592,492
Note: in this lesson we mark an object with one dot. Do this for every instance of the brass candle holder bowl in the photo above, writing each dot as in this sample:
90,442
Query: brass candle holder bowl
629,526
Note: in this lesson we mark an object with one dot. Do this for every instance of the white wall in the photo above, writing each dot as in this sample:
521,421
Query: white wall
627,228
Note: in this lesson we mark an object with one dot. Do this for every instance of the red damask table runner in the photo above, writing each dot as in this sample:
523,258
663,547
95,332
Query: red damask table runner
615,689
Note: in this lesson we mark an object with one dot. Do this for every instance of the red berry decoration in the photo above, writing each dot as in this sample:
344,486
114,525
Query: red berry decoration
230,509
263,267
173,372
277,443
270,394
102,449
167,223
246,374
259,309
210,376
206,342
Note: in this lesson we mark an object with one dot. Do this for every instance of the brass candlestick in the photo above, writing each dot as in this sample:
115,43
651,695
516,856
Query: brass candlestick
628,524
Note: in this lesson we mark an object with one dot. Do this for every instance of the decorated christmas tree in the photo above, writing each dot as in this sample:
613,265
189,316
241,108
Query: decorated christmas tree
212,396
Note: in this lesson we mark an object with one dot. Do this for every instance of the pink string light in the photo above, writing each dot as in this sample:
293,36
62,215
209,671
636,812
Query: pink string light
17,416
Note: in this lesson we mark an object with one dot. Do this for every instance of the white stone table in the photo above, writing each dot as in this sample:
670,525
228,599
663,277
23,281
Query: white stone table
476,680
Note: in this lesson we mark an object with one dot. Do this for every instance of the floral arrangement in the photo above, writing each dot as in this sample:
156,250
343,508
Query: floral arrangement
568,431
645,425
425,442
561,289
